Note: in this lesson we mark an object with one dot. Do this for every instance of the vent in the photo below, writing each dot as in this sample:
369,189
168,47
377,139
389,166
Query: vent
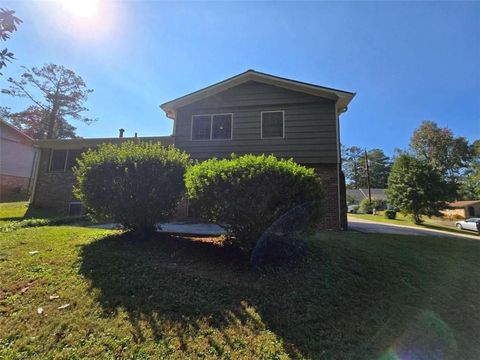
76,209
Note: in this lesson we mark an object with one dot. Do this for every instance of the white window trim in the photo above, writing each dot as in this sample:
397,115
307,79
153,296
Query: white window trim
261,124
211,127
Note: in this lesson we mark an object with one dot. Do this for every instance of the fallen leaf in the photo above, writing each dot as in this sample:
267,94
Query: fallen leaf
33,252
64,306
25,289
53,297
40,311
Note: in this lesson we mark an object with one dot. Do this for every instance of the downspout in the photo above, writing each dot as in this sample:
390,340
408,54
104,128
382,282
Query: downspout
337,129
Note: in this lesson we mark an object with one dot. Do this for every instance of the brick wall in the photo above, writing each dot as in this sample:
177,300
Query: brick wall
53,189
331,220
13,185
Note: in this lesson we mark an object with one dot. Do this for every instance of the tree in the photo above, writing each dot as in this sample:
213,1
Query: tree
8,24
31,122
470,183
57,94
416,188
379,168
353,162
442,150
353,167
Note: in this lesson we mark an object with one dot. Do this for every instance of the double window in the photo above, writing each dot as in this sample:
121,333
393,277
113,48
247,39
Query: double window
212,127
220,127
62,160
273,124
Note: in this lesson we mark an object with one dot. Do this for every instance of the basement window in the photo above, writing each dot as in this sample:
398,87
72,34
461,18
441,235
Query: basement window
212,127
273,124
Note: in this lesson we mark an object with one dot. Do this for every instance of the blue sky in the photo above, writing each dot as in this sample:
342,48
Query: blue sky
407,62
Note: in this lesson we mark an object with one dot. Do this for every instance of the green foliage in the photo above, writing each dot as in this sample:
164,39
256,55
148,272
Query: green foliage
353,164
439,147
65,220
248,193
416,188
366,206
390,214
135,183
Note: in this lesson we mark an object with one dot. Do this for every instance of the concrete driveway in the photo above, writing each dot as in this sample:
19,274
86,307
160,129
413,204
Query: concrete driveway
368,226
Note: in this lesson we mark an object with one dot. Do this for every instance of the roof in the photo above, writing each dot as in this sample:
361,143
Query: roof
461,204
360,194
342,97
16,130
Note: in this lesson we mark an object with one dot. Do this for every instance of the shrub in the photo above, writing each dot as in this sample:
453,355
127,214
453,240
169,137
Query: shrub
135,183
366,207
246,194
390,214
65,220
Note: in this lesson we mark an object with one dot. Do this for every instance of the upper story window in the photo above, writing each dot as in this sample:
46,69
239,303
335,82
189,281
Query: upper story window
212,127
62,160
273,124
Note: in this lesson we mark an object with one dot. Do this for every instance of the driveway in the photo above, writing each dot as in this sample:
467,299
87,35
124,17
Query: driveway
368,226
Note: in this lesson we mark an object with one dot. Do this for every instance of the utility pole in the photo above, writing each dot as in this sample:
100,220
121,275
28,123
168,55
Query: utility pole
368,177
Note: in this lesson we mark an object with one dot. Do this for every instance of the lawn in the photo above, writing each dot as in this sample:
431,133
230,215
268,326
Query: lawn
433,223
357,296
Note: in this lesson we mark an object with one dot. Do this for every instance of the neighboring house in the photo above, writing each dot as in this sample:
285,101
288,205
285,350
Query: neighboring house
17,162
355,196
465,209
251,113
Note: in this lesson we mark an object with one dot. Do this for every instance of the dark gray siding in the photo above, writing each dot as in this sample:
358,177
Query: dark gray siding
310,125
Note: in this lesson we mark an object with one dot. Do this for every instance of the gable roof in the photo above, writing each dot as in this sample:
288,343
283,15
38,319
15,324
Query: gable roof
17,131
360,194
461,204
342,97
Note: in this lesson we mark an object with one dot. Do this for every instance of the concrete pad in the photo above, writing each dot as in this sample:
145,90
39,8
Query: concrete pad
191,228
175,228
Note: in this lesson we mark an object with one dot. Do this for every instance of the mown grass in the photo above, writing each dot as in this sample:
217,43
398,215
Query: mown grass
20,210
428,223
357,296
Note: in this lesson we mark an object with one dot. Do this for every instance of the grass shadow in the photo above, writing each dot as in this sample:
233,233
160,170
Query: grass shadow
341,303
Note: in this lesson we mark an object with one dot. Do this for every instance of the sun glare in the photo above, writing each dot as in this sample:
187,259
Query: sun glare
85,9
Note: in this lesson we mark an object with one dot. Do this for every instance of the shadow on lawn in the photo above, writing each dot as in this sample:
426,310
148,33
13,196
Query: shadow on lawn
333,307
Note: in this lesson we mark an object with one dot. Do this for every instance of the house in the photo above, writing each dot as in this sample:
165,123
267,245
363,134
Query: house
463,209
355,196
17,162
250,113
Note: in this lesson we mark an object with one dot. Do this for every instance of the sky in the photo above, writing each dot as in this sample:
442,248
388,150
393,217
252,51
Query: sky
407,61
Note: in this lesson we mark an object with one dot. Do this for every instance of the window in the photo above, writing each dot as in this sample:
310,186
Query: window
61,160
201,127
273,124
57,160
222,126
72,157
212,127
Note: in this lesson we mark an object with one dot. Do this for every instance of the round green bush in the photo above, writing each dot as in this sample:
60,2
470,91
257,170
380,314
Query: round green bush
390,214
135,183
366,206
246,194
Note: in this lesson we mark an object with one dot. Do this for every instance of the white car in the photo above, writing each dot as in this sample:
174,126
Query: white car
468,224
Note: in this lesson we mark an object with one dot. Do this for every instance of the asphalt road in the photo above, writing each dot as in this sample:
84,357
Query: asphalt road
367,226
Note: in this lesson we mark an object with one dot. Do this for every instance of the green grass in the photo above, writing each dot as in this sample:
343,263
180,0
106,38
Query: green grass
357,296
433,223
20,210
